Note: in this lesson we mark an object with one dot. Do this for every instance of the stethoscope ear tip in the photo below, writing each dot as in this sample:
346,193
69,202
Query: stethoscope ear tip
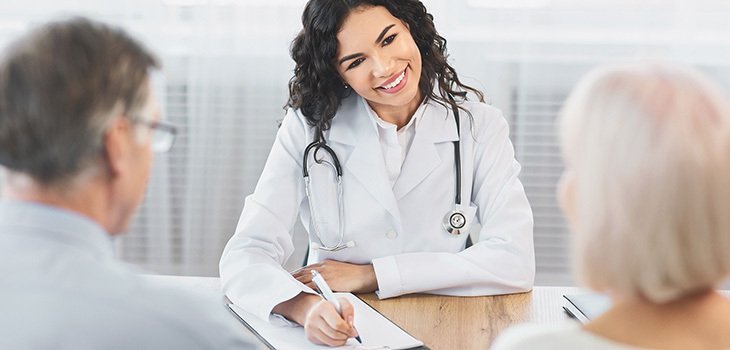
350,244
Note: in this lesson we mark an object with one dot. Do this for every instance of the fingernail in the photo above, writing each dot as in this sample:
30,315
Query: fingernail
351,321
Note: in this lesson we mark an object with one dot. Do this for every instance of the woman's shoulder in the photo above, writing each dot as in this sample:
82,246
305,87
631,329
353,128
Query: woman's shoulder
293,115
573,336
295,122
485,120
294,131
482,109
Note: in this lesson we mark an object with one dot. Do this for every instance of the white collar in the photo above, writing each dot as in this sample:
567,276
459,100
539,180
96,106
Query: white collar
415,119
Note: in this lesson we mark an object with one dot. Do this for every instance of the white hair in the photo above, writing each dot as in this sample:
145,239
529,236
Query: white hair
648,145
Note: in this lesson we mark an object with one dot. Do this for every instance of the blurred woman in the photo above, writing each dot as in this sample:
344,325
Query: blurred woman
647,193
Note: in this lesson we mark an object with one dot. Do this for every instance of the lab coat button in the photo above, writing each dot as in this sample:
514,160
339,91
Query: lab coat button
391,234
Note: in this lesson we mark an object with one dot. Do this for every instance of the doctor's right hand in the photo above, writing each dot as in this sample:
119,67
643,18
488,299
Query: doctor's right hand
322,324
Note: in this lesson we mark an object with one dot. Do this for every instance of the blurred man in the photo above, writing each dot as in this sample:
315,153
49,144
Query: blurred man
78,124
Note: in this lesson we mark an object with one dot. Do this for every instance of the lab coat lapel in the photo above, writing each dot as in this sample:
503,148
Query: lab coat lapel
423,158
354,127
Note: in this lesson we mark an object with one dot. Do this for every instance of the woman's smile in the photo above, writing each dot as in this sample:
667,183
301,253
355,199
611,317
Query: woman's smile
396,83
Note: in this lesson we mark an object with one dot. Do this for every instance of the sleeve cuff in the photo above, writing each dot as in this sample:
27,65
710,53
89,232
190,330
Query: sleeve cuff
390,283
280,320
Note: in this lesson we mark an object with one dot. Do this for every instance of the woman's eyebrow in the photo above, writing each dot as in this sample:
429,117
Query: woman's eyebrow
349,57
377,41
382,34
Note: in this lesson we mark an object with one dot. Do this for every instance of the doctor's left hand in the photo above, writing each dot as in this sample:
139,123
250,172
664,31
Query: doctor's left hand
340,276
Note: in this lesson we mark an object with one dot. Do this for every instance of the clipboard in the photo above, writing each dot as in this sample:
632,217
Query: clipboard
376,330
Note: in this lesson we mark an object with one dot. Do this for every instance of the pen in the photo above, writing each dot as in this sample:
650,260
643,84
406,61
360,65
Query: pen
328,295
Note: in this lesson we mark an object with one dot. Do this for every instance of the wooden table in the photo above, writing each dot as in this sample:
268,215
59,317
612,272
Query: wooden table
444,322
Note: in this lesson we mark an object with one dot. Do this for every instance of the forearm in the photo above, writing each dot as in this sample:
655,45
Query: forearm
370,283
297,308
341,276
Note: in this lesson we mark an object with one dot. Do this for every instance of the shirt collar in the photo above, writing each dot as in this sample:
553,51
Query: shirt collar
415,120
53,223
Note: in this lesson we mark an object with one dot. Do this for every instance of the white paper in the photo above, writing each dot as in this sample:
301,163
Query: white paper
376,331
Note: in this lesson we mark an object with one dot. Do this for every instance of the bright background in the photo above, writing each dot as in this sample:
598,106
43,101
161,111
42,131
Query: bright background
226,66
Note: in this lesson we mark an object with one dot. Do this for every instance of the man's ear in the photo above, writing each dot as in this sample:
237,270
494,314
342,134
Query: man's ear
116,140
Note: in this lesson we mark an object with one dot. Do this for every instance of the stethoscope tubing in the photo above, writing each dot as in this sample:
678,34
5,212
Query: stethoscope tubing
320,145
457,154
340,198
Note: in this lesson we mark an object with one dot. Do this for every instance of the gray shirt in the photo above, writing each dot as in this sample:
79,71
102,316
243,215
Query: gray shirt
61,288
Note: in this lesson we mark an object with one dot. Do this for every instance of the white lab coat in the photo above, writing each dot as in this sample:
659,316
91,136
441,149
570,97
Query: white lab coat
396,228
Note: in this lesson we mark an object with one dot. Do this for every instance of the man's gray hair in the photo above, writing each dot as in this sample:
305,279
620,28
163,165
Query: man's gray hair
60,87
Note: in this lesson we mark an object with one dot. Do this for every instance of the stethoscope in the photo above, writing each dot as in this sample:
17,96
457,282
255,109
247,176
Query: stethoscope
455,222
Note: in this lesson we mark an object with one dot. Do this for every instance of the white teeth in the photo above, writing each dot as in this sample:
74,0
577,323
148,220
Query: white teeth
396,82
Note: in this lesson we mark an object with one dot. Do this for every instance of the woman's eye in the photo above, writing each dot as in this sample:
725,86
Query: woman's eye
389,39
355,63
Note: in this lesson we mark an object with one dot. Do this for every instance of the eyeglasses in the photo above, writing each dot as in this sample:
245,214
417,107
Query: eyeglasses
163,135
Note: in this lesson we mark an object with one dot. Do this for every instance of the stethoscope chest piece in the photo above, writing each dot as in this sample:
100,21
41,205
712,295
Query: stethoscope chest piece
455,223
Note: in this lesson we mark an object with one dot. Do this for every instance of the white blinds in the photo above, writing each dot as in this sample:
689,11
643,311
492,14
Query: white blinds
227,118
536,148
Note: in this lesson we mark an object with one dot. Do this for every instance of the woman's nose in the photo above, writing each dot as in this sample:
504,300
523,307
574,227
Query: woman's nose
383,66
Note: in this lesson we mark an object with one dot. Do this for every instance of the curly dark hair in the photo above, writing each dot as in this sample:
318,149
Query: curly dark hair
316,88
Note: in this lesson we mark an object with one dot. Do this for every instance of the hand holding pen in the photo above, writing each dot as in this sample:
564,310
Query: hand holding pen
329,296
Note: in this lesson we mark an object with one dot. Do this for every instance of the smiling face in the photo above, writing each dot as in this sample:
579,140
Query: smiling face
378,58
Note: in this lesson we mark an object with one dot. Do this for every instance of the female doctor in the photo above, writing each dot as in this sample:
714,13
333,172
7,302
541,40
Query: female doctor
374,99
